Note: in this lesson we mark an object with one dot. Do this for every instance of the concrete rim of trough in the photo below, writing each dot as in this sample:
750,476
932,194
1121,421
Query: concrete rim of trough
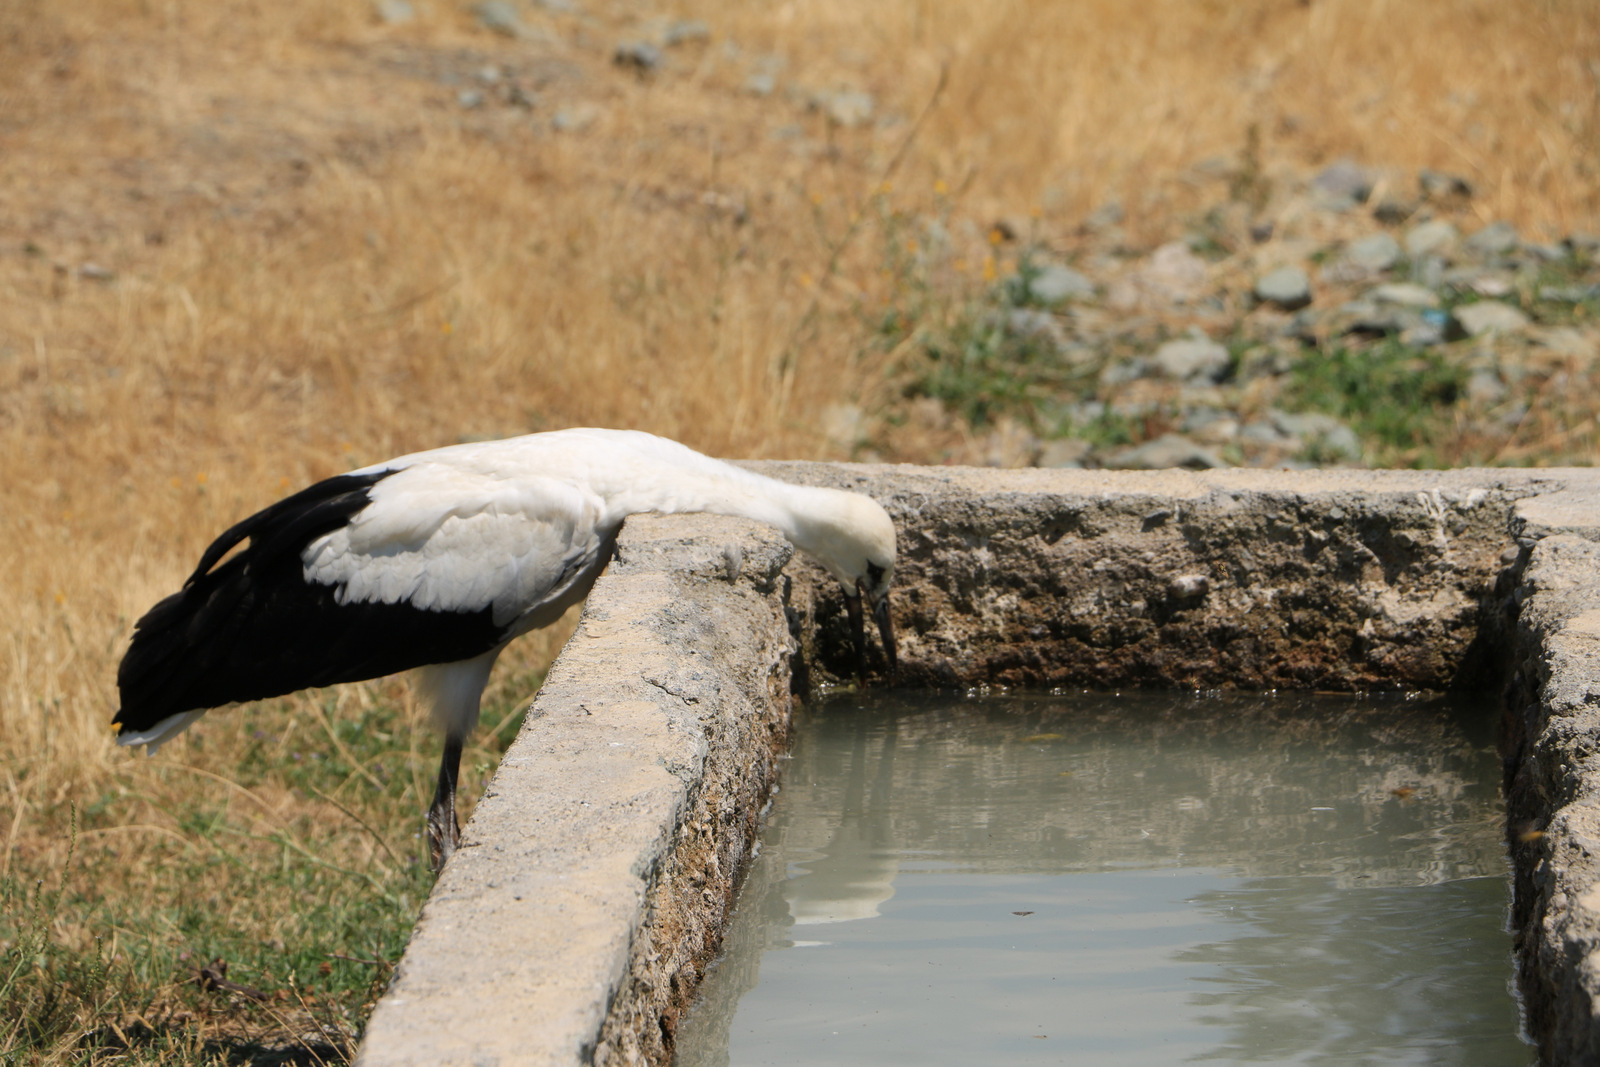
579,916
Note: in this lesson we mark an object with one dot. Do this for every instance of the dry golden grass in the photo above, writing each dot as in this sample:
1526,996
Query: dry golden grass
321,260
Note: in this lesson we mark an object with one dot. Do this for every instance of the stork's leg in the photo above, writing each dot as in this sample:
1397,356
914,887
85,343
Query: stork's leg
444,832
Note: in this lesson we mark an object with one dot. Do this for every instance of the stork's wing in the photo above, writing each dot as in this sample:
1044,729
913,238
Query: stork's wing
439,538
357,577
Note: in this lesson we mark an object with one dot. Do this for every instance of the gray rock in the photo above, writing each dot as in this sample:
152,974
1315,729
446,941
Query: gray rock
1489,317
394,12
1103,217
1392,212
848,107
1287,287
1495,239
1405,294
501,17
1569,294
1189,586
1170,450
1586,244
640,55
1266,432
761,83
94,272
686,31
1032,324
1370,318
469,99
1436,237
1439,185
1056,283
1485,387
1066,452
1342,184
1192,360
1322,433
1546,252
574,118
1375,253
1123,372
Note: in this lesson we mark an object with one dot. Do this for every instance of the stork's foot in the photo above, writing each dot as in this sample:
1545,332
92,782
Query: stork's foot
444,832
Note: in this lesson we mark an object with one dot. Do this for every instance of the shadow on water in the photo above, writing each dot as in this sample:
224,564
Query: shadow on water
1142,879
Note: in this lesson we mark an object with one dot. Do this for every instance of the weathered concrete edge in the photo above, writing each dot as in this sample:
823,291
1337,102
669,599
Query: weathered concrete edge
605,850
508,997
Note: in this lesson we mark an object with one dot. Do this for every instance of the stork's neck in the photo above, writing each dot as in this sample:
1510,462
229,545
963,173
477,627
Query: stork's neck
808,517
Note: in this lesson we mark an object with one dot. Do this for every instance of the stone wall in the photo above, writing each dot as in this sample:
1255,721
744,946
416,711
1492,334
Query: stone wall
578,918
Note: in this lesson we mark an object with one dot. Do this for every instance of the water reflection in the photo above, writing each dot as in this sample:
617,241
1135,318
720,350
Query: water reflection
1285,879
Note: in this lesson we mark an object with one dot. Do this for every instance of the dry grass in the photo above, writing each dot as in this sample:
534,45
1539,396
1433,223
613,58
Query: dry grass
321,260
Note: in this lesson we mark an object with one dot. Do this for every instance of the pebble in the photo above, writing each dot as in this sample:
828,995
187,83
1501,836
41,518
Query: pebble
1376,252
1495,239
640,55
761,83
1056,283
469,99
686,31
1192,360
1489,317
1034,325
1103,217
1324,433
394,12
848,107
1435,237
1440,185
500,17
1287,287
574,117
94,272
1485,387
1342,184
1405,294
1173,274
1169,450
1067,452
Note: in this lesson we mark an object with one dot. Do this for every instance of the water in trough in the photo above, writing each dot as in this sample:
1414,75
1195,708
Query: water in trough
1143,878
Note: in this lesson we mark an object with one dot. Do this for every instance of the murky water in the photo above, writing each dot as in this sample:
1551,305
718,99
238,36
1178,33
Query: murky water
1118,880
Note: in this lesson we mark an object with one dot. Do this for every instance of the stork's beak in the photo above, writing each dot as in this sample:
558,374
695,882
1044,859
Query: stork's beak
880,612
858,632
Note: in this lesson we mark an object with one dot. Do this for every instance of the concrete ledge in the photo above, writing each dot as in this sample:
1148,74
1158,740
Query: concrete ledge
577,921
603,854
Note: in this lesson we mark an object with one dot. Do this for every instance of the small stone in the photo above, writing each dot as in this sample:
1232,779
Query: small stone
469,99
500,17
1439,185
1436,237
1495,239
1405,294
1188,587
1068,452
1192,360
848,107
1569,294
686,31
1103,217
1172,275
761,83
1032,324
640,55
1485,387
1287,287
1124,371
394,12
1376,252
1056,283
488,75
1321,433
1366,317
1342,184
94,272
1489,317
1392,212
574,118
1586,244
1170,450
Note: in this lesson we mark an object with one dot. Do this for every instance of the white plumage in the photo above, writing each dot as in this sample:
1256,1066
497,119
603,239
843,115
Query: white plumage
439,558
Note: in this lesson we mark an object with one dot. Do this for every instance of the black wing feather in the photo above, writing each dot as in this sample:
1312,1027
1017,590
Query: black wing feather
250,626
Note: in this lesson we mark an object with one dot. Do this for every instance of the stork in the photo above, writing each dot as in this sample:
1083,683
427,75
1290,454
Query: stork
436,560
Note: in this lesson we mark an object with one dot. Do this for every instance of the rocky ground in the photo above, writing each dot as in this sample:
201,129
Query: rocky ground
1351,317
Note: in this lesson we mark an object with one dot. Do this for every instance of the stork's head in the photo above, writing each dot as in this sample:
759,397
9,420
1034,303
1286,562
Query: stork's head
853,537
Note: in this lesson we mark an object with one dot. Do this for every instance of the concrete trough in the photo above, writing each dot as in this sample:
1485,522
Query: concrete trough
575,923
